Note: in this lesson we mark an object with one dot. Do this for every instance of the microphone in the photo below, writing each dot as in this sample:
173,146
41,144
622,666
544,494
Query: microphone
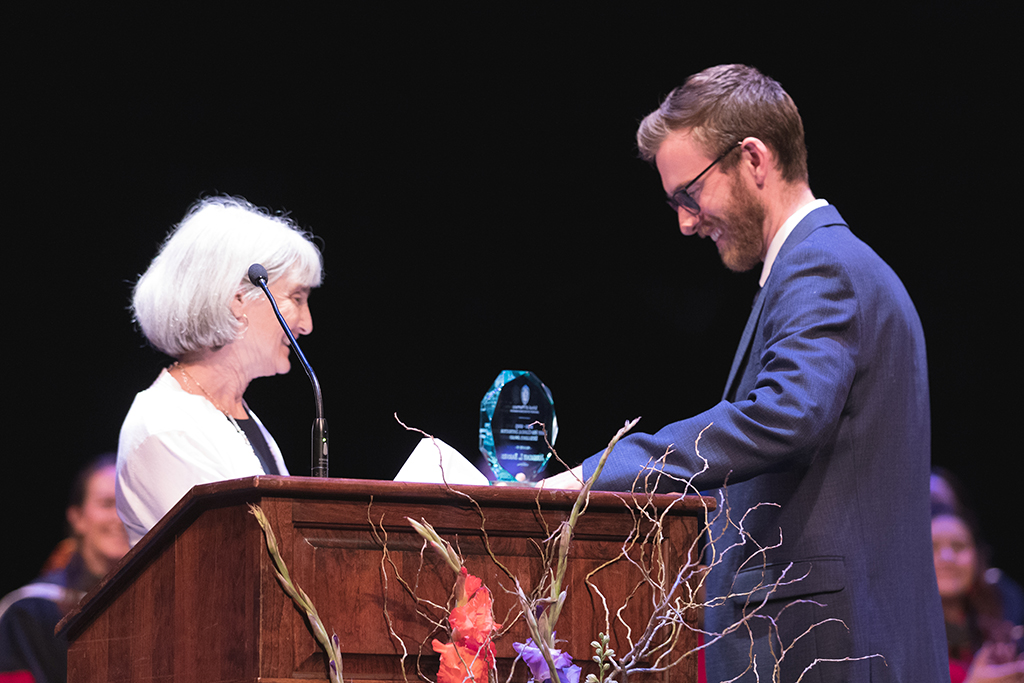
319,464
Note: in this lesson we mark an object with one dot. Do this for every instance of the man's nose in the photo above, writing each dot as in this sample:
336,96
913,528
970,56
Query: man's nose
687,222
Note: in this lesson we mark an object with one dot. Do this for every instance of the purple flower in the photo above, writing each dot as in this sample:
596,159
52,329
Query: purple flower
531,654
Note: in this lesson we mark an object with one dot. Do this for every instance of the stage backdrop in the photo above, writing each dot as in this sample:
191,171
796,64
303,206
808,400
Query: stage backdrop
473,180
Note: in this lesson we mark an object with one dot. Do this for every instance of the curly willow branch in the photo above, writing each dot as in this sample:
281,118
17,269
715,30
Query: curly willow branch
674,592
483,518
386,558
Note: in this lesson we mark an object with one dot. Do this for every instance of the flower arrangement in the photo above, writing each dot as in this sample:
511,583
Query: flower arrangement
469,653
469,656
669,591
565,670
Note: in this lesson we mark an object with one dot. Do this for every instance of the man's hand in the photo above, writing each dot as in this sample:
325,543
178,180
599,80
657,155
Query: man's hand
570,480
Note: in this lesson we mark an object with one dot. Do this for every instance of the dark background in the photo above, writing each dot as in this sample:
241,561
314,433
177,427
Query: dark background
473,177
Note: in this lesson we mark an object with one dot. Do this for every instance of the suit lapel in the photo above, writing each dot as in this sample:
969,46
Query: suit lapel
743,350
824,216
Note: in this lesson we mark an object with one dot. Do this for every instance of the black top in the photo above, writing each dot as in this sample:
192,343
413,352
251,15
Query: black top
259,445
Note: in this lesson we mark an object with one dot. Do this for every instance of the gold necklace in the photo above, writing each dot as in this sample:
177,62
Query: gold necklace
189,380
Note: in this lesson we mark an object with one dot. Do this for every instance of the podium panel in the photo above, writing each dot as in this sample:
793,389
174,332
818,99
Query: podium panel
197,600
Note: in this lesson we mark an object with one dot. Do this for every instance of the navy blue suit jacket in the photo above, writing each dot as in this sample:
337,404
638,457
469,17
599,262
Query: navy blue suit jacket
826,415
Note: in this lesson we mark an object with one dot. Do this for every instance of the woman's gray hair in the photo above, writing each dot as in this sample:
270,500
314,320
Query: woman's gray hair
182,302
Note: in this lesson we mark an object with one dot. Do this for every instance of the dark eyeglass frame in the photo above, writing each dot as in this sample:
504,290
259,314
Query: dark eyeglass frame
681,198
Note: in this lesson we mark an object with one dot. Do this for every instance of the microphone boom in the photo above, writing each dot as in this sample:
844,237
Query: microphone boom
319,460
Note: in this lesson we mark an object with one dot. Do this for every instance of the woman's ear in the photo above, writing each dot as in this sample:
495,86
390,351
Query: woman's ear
74,516
238,306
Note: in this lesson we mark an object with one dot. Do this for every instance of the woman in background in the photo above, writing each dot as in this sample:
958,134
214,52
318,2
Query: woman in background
29,648
982,644
196,304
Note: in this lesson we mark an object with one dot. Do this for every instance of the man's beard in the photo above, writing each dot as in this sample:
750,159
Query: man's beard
742,240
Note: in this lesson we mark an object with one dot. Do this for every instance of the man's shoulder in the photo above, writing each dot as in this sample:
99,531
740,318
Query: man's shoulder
825,239
828,262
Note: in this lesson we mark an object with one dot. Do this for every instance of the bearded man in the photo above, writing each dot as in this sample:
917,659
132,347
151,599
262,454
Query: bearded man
825,414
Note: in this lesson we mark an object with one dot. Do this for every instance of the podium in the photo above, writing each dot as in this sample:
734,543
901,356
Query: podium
197,600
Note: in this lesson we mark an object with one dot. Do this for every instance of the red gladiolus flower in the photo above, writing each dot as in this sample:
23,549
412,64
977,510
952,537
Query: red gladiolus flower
470,655
473,623
460,664
465,586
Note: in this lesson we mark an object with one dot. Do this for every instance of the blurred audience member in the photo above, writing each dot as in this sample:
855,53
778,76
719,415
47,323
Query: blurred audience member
982,643
948,491
29,650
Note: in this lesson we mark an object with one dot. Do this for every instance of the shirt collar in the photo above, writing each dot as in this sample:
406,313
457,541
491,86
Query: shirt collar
783,233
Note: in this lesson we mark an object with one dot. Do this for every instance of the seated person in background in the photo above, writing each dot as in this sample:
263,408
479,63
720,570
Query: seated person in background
29,615
981,641
947,490
196,304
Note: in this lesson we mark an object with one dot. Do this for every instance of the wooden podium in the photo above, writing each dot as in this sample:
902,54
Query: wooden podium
196,600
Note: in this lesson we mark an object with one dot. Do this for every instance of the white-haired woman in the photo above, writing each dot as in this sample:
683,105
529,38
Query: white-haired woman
196,304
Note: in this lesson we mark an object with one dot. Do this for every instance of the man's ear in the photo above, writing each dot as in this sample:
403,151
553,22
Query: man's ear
757,159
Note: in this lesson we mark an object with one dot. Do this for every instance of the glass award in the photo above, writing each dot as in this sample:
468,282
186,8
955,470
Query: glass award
517,424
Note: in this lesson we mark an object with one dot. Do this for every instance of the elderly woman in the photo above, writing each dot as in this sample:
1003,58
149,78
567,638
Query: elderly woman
195,303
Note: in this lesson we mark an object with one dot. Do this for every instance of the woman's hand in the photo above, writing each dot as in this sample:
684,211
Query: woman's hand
996,663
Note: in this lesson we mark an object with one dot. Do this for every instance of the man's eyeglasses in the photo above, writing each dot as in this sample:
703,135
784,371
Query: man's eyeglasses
681,198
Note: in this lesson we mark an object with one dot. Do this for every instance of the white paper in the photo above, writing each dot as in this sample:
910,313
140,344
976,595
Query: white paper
435,462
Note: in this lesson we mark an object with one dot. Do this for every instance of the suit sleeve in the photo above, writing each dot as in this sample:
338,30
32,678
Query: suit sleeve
808,341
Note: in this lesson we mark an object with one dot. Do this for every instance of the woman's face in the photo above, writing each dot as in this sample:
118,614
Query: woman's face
265,346
102,538
956,558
